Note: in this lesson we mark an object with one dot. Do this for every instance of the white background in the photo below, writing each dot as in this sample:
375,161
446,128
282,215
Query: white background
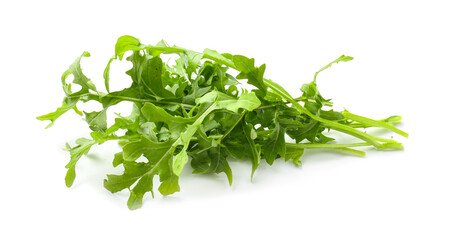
400,51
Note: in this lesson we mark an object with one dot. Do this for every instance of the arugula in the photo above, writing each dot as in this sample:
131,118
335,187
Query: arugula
195,110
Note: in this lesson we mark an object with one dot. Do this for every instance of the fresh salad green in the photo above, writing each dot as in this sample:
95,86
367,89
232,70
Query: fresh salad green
196,110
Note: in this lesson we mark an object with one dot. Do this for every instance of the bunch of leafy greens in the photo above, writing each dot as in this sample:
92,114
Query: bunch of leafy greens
196,110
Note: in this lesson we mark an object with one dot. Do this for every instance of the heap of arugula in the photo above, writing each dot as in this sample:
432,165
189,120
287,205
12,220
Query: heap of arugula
195,109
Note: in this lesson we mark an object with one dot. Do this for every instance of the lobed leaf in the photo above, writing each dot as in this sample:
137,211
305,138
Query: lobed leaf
275,145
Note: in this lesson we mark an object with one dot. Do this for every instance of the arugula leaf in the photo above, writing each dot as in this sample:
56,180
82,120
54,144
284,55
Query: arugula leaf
247,101
213,160
79,77
67,104
97,120
76,152
250,72
159,156
152,77
294,154
195,110
126,43
342,58
274,145
254,150
214,55
176,124
71,99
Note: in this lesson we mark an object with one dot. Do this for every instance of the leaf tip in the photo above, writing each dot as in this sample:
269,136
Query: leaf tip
229,180
252,175
86,54
49,125
134,201
70,177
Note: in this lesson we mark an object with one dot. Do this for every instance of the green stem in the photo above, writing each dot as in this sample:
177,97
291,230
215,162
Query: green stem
340,147
371,122
391,121
352,151
326,145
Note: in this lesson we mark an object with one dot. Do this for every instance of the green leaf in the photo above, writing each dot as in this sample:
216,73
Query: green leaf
76,152
246,101
213,160
133,171
254,150
79,77
169,186
130,123
180,161
160,161
97,120
309,90
243,64
294,154
275,145
126,43
118,159
214,55
67,104
290,123
127,94
309,132
106,73
278,89
185,138
331,115
176,124
71,99
152,77
144,185
154,150
272,97
195,92
194,59
342,58
159,156
250,72
70,176
266,117
213,96
219,163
